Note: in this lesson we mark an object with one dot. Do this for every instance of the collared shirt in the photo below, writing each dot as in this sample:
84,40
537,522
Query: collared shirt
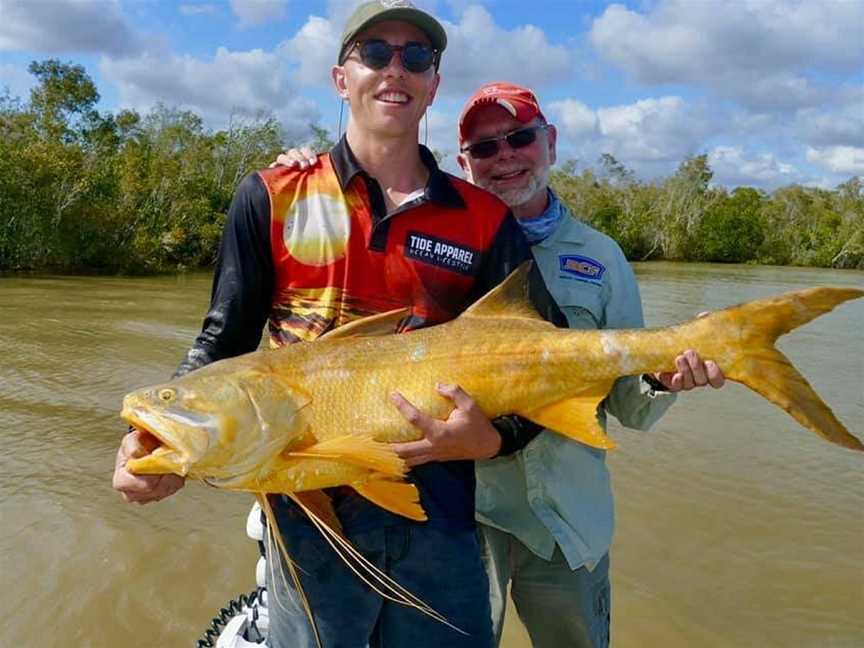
555,490
310,250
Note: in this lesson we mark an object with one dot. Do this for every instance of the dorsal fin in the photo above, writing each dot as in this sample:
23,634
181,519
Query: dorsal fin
380,324
509,299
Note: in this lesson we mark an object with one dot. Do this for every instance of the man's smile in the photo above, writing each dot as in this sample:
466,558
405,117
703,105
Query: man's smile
393,97
509,176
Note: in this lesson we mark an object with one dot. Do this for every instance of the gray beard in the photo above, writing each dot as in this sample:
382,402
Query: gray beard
516,197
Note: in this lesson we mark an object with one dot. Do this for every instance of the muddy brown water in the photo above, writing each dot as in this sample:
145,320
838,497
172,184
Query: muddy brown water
736,527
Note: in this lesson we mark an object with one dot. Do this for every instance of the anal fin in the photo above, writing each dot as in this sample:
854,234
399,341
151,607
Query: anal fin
397,497
355,449
576,418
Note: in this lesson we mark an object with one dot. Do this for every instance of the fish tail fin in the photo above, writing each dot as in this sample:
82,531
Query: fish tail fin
366,571
275,541
764,369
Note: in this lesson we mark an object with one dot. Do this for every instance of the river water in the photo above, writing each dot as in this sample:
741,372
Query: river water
736,527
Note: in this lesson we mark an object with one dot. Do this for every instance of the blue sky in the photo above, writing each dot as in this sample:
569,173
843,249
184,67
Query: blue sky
771,90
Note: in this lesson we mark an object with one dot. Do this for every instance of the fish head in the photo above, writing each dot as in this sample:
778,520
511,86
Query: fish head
217,423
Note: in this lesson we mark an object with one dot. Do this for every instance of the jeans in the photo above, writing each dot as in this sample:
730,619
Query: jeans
560,607
442,568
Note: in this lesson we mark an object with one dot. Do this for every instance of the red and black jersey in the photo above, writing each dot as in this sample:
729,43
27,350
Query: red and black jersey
338,256
307,251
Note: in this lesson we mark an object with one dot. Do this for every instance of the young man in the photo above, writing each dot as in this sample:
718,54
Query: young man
546,512
306,251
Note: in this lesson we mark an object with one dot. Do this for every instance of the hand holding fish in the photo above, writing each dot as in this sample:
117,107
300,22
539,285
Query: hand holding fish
466,434
692,372
142,489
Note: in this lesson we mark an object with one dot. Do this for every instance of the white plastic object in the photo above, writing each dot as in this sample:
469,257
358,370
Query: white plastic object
254,527
261,572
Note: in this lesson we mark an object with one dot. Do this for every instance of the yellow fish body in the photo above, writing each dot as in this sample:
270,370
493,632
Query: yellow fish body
310,416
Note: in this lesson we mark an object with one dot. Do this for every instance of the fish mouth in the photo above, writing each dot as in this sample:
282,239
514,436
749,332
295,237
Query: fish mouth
166,458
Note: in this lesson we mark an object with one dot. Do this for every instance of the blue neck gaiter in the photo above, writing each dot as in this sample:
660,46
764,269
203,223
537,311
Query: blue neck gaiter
537,229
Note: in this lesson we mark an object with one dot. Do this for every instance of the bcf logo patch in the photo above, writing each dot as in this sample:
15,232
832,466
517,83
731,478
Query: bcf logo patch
579,267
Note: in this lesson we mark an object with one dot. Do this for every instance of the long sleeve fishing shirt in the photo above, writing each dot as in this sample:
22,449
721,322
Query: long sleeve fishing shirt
306,251
556,490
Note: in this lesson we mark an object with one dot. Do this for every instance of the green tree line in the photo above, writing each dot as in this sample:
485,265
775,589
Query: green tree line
82,190
683,217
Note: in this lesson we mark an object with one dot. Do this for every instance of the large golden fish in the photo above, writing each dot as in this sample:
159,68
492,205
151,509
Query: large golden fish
310,416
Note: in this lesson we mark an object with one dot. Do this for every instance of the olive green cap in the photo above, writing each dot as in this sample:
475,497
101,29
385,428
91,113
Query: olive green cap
370,13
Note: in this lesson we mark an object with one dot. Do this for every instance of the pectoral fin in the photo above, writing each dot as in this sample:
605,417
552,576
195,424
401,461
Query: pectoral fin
355,449
381,324
400,498
576,418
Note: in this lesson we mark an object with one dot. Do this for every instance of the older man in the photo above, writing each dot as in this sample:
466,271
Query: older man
547,510
545,503
310,250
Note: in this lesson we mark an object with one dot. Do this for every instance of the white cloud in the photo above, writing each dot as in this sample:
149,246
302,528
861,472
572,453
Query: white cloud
839,159
256,12
314,50
734,166
441,129
754,51
572,116
85,26
650,136
479,51
654,129
242,82
841,123
199,9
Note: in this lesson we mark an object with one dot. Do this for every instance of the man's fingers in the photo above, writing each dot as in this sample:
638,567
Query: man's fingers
455,393
412,449
290,160
309,155
684,372
138,443
414,416
143,489
128,482
697,368
715,375
415,453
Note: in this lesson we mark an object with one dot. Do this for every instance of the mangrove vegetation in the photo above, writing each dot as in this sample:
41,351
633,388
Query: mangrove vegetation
82,190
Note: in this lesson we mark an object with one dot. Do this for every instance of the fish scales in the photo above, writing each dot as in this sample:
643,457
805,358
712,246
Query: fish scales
312,415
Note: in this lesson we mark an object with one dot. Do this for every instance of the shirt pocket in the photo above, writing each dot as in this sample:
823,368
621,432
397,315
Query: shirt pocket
582,304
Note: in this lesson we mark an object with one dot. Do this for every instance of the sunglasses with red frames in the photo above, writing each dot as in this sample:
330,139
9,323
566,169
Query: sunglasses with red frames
516,139
416,57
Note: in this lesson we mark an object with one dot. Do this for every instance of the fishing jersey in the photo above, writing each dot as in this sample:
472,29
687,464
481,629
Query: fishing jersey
310,250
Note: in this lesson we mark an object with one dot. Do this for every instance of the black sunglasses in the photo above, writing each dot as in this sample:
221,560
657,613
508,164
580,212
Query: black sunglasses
515,139
416,57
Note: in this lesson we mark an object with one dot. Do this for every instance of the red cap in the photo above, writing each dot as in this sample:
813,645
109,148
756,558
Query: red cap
520,102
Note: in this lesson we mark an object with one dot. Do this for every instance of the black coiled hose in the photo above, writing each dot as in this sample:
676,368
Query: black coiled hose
232,609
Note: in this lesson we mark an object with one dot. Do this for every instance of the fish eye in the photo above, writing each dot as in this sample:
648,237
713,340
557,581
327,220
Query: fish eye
167,395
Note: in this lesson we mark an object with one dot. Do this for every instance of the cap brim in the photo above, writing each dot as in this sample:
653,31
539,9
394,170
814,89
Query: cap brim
423,21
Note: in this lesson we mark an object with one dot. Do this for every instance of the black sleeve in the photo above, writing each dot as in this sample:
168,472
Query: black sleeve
516,432
243,281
